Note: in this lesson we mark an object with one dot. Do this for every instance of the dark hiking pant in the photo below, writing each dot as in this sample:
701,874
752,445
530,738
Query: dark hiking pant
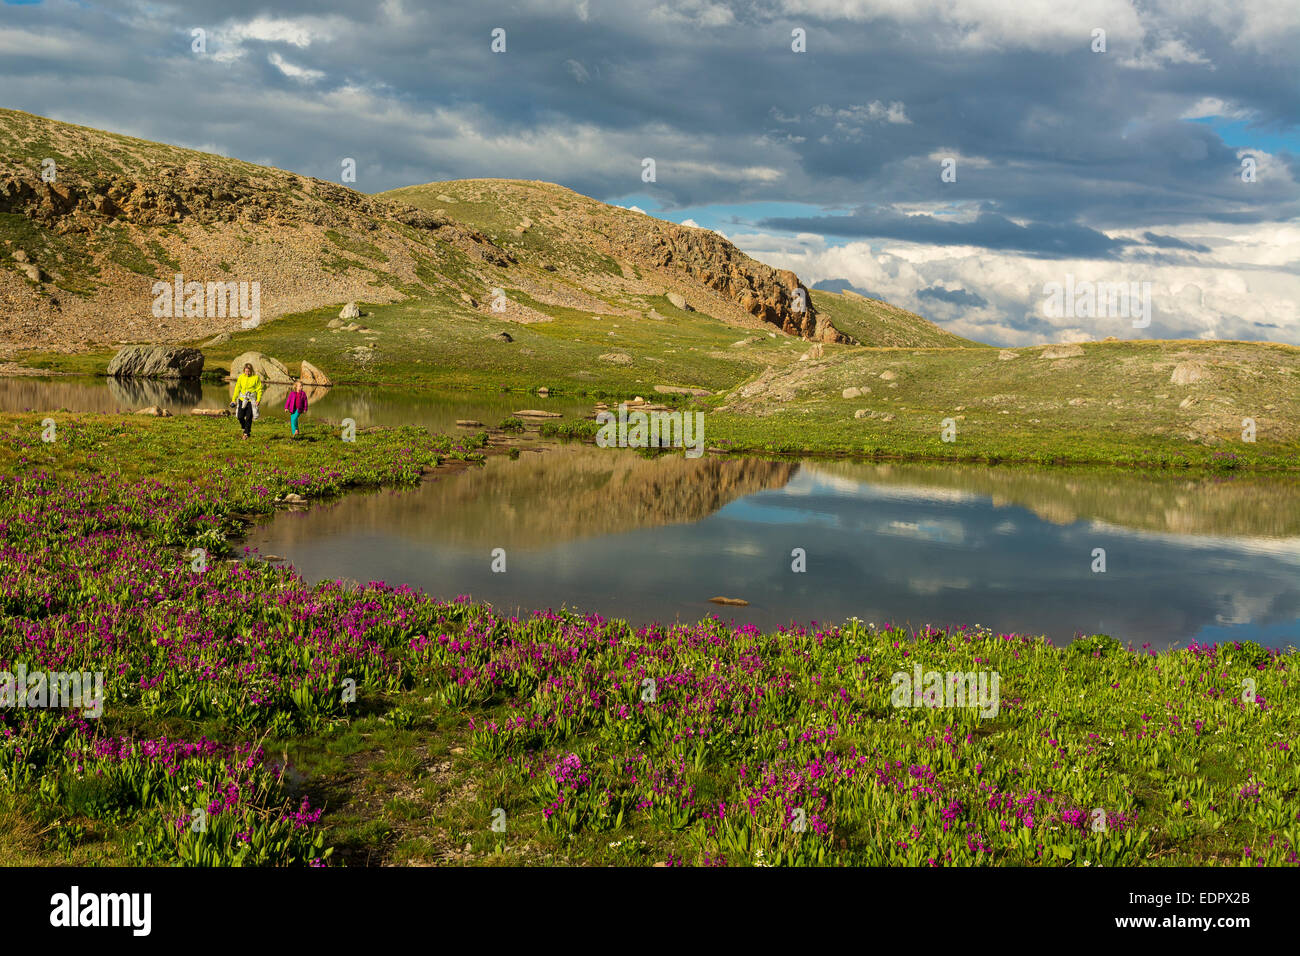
245,416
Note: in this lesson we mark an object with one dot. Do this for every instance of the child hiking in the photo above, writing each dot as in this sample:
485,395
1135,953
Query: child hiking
295,404
247,393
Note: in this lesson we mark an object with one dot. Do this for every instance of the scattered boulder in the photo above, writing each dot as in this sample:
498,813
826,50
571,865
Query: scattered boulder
309,374
503,337
211,412
854,392
536,413
156,361
350,311
270,371
681,390
1062,351
334,324
1006,356
617,358
543,392
729,601
1185,373
221,338
861,413
26,266
1187,402
888,375
680,302
1078,401
155,411
468,423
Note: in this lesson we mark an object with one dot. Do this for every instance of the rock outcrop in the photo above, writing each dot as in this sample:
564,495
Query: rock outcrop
1185,373
775,296
156,361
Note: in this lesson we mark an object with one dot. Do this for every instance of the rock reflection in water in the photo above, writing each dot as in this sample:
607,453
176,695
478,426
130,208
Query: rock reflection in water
134,393
544,499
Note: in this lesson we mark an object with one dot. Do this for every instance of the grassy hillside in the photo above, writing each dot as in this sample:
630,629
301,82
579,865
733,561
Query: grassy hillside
1104,401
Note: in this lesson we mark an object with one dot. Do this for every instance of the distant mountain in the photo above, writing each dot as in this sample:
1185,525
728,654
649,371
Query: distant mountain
877,323
839,285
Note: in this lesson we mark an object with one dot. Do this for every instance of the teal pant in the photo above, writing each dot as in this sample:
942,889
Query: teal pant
293,421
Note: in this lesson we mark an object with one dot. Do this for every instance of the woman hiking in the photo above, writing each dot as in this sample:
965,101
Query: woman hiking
247,393
295,404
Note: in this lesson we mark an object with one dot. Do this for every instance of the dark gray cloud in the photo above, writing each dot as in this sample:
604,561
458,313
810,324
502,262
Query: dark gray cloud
952,296
1171,242
988,230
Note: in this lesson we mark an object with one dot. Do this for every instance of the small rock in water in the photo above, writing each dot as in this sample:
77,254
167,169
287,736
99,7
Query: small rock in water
731,602
468,423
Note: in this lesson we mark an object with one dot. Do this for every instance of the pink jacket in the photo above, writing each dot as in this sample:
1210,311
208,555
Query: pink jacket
296,402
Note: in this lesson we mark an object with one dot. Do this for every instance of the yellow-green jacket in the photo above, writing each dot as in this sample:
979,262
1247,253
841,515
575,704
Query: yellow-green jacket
248,383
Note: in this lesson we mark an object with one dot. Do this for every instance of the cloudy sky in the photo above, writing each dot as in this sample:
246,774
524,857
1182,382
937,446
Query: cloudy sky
1129,165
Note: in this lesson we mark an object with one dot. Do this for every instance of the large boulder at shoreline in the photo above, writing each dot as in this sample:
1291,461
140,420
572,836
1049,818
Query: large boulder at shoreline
156,361
309,374
270,371
350,311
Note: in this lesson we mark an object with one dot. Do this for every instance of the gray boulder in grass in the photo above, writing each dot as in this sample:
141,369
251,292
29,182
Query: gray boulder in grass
156,361
270,371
